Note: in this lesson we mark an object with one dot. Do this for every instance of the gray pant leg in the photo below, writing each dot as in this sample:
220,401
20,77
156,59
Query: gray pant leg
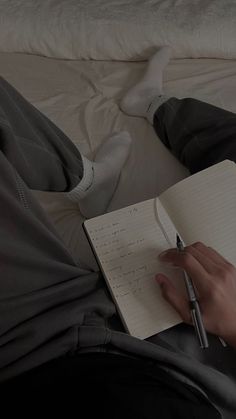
42,154
44,296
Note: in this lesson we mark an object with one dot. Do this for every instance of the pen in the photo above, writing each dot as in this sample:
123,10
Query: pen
193,303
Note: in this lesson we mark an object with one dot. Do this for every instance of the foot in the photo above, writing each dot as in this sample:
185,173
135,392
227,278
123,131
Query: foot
101,176
138,99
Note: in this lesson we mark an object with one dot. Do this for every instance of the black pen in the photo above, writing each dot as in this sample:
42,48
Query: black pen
194,305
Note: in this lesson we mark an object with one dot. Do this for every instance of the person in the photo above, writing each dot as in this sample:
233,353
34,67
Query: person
58,323
199,135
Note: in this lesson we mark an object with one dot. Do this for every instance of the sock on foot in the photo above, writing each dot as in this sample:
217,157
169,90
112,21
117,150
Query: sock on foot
138,99
100,178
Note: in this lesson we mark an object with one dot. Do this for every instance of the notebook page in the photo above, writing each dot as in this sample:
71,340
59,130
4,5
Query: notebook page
203,208
127,243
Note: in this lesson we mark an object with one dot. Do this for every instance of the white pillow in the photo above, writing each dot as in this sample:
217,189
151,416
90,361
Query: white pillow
118,30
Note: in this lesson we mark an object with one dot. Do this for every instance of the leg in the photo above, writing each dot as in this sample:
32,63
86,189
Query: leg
47,160
133,388
42,155
44,295
198,133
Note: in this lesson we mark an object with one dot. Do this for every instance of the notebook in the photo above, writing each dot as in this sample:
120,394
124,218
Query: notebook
126,243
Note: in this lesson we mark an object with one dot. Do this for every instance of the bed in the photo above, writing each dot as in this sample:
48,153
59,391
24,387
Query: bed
74,60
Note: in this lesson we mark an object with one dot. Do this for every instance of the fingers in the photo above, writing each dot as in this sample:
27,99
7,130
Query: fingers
215,256
215,281
199,252
190,262
201,262
177,301
209,257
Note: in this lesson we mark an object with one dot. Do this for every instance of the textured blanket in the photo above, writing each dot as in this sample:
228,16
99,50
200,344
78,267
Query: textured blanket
118,30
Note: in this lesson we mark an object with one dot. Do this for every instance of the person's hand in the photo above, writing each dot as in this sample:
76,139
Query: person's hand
215,283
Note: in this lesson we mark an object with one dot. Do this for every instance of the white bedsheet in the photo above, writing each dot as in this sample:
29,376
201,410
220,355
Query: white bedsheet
82,98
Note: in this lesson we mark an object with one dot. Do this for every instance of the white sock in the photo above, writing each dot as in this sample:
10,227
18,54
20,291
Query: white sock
100,178
137,100
154,105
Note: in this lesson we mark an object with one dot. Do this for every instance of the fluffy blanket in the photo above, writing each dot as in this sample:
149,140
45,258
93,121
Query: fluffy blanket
118,30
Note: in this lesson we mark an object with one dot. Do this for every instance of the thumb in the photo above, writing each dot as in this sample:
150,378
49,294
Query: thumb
171,294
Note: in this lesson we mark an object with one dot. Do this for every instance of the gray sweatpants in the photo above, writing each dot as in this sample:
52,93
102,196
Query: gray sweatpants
44,295
49,307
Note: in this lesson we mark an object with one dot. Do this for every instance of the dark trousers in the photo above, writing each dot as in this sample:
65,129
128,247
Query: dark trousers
197,133
106,386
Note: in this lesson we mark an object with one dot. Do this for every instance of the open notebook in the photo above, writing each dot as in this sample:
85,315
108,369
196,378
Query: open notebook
126,243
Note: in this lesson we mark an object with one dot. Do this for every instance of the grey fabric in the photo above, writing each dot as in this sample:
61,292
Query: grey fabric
41,153
197,133
49,306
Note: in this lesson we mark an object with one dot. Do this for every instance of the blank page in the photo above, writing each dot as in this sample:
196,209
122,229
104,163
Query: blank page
127,243
203,208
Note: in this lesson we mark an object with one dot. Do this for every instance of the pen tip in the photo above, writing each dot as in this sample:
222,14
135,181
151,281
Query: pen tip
178,241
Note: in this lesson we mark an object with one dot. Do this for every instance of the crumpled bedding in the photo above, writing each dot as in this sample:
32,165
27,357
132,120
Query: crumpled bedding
125,30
